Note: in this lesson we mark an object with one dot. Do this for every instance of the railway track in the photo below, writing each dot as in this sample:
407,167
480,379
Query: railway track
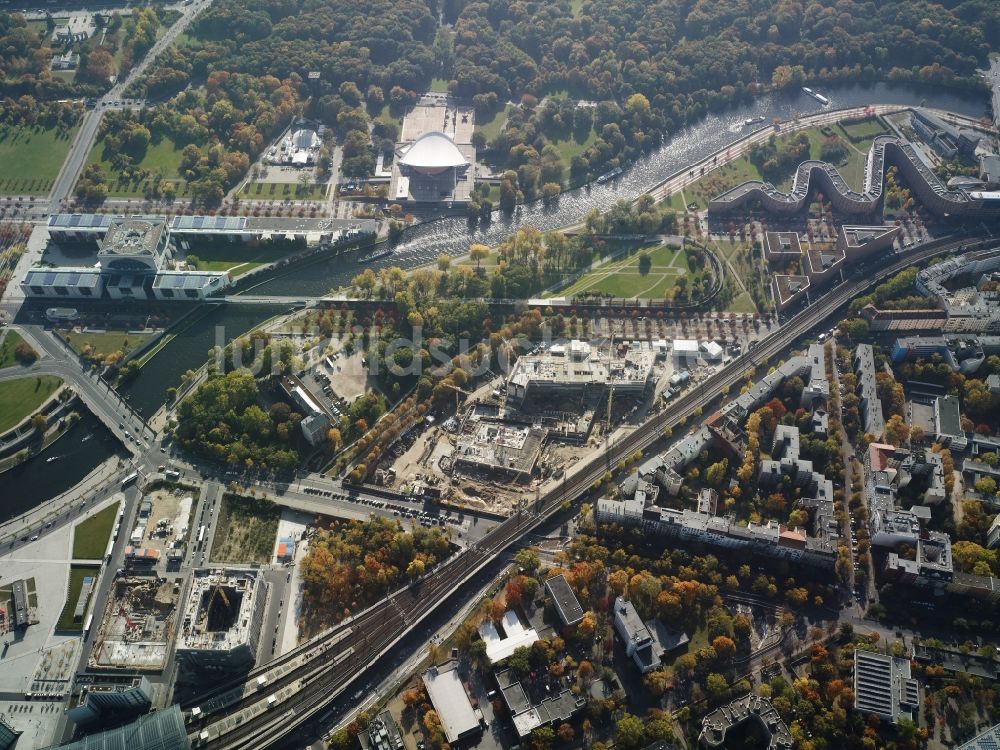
372,633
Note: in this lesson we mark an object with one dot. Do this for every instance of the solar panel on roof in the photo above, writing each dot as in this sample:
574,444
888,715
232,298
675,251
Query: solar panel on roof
74,220
74,279
49,277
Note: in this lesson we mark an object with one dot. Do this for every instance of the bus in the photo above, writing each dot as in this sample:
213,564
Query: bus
130,479
86,626
201,535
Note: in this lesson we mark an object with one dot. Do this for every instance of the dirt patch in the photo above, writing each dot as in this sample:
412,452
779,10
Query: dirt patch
246,531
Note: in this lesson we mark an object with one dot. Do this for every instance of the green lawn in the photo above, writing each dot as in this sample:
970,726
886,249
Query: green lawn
76,575
237,257
492,125
10,342
90,538
865,129
715,182
271,191
19,398
103,344
741,170
439,85
31,158
160,160
574,146
623,278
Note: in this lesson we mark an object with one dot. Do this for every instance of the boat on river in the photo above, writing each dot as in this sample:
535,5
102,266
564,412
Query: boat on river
818,97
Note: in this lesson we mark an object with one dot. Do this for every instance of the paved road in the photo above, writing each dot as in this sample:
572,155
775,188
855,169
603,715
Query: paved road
103,400
65,182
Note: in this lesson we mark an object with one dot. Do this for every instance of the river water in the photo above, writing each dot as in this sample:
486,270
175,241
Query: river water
422,244
189,350
77,454
34,482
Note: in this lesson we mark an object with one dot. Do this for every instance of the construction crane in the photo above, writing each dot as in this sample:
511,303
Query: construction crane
457,391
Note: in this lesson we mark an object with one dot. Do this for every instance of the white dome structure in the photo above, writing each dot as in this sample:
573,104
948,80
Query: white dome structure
433,153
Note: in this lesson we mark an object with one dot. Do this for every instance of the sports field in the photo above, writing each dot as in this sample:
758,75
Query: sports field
648,272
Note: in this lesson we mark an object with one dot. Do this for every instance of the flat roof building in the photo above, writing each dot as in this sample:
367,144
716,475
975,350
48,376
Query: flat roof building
788,289
578,368
871,406
527,714
566,604
499,446
988,740
454,709
948,422
504,639
110,695
639,643
381,734
19,598
8,733
222,620
133,245
162,730
883,686
751,707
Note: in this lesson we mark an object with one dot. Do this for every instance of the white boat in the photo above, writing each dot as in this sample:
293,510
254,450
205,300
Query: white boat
608,176
818,97
50,459
753,120
376,255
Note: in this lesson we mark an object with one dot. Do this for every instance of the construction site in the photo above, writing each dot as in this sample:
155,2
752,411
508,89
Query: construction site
138,625
223,617
512,432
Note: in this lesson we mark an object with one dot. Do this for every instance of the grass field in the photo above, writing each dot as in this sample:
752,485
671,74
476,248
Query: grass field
19,398
439,85
491,127
161,160
90,537
76,575
239,258
246,530
272,191
573,146
741,170
10,342
743,272
866,129
103,344
31,158
624,278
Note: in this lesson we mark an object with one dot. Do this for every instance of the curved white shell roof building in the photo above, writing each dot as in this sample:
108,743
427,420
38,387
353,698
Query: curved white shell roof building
433,153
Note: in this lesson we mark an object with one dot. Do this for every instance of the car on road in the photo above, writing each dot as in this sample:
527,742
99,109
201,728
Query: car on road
34,538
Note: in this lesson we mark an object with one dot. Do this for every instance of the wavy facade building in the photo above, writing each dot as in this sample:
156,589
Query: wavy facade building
813,177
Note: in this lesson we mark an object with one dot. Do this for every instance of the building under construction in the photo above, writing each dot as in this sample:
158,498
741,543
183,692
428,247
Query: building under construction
138,625
578,369
499,446
222,620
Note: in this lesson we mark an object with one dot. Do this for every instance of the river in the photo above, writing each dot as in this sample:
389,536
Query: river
87,445
422,244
